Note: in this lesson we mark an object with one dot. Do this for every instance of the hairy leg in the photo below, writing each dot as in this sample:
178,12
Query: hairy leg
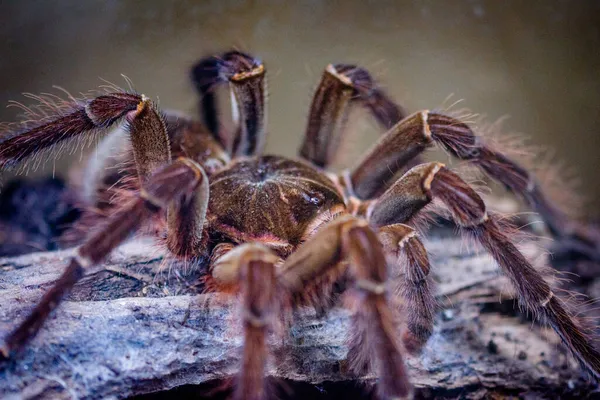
421,130
112,165
151,150
193,140
246,77
252,268
422,184
149,139
388,156
348,244
342,86
187,213
168,184
409,272
148,134
24,139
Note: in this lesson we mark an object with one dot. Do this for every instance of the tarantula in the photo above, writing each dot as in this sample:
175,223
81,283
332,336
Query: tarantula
278,231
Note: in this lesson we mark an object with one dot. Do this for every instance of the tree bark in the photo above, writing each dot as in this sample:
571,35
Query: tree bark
129,330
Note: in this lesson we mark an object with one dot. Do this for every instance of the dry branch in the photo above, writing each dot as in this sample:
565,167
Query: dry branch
127,330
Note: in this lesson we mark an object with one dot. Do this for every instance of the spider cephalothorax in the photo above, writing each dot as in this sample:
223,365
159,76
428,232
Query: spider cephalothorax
280,231
270,199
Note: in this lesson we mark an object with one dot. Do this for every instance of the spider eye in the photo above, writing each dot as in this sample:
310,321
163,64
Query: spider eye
313,198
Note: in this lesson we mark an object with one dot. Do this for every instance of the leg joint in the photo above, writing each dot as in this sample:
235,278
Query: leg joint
370,286
256,321
84,261
152,200
474,223
547,300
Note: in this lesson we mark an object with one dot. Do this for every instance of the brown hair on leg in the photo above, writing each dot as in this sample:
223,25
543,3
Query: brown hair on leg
421,130
534,292
246,77
252,268
149,139
374,315
342,86
392,152
411,194
349,244
409,269
67,121
186,216
459,140
327,118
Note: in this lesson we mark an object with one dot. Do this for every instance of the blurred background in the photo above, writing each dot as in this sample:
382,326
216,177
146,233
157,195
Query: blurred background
537,62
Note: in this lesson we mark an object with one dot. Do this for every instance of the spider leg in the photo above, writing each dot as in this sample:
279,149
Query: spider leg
146,127
409,271
460,140
246,77
225,273
421,130
169,184
108,171
252,267
425,182
342,86
186,215
26,139
193,140
348,244
392,152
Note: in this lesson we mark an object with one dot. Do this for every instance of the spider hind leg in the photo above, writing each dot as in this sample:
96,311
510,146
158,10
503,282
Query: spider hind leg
421,130
419,186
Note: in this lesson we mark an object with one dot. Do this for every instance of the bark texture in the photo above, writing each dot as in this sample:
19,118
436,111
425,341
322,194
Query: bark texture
139,326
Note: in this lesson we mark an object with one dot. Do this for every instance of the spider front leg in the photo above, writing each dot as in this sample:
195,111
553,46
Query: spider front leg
169,185
186,215
403,200
147,130
251,268
246,77
340,88
348,243
25,139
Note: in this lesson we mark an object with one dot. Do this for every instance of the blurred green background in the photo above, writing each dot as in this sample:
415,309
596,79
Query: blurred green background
535,61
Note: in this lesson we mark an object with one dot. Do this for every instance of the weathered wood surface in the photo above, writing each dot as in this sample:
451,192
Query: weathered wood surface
127,330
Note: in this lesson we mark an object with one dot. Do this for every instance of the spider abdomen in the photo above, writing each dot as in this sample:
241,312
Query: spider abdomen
269,198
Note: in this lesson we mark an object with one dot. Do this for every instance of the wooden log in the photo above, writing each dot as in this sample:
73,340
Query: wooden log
139,326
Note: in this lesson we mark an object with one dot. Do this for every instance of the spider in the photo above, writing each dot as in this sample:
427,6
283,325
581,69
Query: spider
279,232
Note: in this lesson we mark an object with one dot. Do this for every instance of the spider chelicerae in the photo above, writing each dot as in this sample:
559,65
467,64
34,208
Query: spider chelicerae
280,232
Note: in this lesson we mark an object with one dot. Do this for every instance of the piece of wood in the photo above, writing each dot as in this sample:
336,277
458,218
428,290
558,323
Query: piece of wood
127,330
